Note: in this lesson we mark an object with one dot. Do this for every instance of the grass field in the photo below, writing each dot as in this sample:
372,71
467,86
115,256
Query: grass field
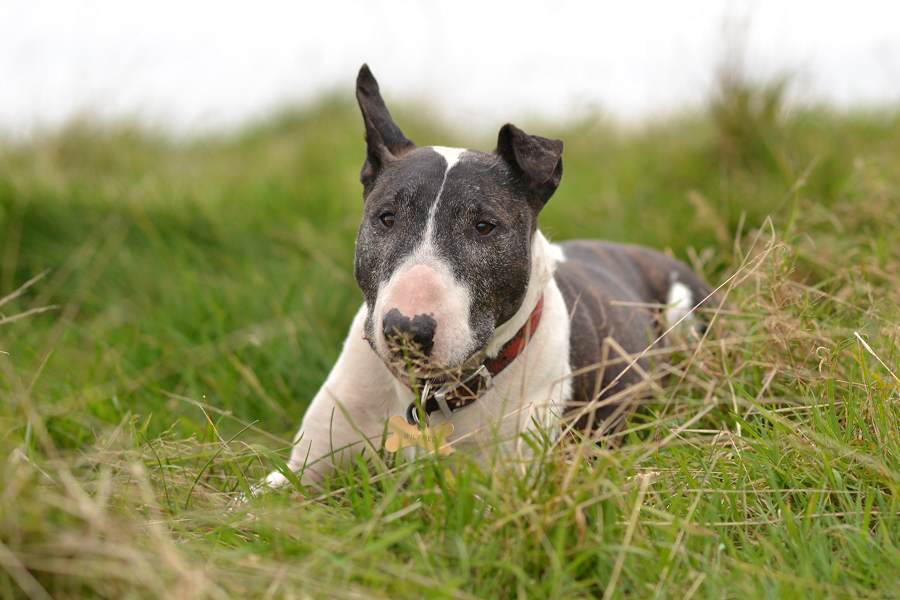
195,293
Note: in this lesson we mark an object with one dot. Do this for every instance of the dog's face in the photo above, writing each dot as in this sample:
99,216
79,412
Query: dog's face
443,254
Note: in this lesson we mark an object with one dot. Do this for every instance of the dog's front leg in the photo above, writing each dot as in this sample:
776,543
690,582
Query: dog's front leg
347,415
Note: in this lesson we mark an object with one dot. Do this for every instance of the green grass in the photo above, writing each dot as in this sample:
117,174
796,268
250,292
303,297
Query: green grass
199,291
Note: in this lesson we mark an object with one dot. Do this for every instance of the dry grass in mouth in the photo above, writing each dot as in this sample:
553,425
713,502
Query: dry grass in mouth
416,369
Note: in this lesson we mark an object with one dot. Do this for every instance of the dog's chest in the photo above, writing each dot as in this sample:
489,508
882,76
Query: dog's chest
530,392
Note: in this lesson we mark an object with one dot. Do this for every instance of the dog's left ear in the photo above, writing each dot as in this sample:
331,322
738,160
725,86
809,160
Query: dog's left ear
537,160
384,140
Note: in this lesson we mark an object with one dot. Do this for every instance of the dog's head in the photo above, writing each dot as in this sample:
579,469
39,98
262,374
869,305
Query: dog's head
443,253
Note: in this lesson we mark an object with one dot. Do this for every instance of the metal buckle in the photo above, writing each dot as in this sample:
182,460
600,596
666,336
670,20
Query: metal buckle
442,392
440,395
412,414
483,373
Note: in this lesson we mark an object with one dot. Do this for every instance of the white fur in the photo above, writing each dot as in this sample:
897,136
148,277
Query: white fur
452,156
349,412
556,252
679,301
345,414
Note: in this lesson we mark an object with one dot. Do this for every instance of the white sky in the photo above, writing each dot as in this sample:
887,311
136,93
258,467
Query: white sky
194,65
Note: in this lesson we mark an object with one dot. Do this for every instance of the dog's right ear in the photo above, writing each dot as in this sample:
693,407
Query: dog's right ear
384,140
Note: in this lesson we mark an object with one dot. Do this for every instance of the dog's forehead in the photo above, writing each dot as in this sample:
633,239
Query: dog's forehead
435,167
466,164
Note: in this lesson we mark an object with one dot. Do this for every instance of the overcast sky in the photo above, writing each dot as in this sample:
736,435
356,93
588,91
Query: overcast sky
194,65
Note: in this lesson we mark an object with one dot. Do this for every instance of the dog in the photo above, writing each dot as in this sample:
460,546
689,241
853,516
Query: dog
470,315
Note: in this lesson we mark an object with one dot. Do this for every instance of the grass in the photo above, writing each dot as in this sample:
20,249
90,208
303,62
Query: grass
197,292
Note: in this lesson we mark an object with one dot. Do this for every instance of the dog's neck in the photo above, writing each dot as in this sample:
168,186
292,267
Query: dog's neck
544,257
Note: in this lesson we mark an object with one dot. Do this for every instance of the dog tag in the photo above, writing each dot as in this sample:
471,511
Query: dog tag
403,435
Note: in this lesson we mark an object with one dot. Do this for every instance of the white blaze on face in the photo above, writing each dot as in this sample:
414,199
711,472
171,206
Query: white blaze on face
451,155
423,284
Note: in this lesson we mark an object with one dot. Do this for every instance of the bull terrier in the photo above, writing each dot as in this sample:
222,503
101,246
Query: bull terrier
470,315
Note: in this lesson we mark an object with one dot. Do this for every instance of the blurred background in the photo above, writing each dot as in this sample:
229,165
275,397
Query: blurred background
201,65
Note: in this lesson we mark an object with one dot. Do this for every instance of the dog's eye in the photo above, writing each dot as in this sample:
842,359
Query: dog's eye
387,219
484,228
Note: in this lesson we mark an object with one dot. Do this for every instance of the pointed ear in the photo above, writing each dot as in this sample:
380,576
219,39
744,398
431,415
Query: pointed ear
384,140
537,160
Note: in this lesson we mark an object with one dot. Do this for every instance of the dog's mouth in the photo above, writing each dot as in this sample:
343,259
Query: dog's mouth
413,367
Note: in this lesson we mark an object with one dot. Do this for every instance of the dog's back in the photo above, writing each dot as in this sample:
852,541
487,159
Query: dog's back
624,293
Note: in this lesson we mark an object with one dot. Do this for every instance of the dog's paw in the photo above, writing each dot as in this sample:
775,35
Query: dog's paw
273,481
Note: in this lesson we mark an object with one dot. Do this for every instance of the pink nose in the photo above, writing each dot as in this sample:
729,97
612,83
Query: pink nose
416,292
415,309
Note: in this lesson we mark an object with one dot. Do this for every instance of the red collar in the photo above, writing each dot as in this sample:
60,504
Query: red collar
514,346
454,396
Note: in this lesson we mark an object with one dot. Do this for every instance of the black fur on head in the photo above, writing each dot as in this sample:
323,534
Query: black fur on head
537,160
